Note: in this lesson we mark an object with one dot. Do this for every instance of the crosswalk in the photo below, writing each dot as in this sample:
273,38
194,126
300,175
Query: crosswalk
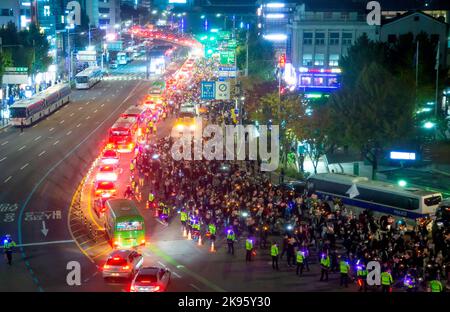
126,76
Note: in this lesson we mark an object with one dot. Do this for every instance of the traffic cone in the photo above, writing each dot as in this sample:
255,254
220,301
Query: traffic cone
184,232
212,249
199,240
156,213
189,236
146,205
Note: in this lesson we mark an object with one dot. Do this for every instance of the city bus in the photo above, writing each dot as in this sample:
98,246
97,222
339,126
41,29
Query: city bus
121,134
122,58
88,77
124,225
157,87
380,197
138,112
27,111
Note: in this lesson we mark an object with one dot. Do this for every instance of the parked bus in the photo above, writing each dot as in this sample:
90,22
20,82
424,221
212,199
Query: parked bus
381,197
121,134
122,58
124,225
88,77
27,111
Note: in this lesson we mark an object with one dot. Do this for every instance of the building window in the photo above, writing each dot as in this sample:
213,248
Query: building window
46,10
307,38
103,10
319,59
305,81
392,38
327,15
345,16
334,38
7,12
307,60
347,38
103,21
333,60
320,38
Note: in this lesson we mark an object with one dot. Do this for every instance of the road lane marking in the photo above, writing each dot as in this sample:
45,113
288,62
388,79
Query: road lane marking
51,129
46,243
4,143
24,166
88,102
162,264
95,111
176,274
7,179
37,138
34,126
195,287
68,133
22,147
3,159
79,125
88,117
57,141
61,122
21,134
72,114
80,108
41,153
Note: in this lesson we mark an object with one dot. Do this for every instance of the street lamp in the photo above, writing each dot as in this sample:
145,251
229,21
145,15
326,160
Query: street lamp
402,183
429,125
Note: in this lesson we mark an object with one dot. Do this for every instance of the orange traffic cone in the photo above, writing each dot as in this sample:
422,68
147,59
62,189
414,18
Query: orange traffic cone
212,249
156,212
146,205
199,240
184,232
189,235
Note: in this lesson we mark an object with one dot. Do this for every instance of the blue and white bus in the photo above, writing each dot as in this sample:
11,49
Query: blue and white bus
27,111
88,77
381,197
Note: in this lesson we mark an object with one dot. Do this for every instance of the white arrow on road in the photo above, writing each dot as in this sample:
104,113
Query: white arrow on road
44,229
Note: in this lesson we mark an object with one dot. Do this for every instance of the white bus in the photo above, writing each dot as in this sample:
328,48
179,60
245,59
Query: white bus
381,197
88,77
122,58
28,111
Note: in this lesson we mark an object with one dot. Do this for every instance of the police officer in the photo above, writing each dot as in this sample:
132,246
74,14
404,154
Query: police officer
274,253
249,249
300,259
325,264
344,268
183,218
436,285
151,199
231,238
386,281
8,245
361,273
212,231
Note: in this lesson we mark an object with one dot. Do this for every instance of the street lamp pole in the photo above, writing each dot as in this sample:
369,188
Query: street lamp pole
70,55
437,89
246,51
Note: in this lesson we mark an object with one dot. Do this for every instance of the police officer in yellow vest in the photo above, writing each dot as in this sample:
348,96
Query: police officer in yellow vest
231,237
249,249
212,231
361,273
151,199
300,259
274,252
386,281
344,269
8,245
436,286
325,264
183,218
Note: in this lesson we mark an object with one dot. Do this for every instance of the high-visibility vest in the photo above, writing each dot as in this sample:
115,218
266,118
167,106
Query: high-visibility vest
212,229
9,245
436,286
325,262
361,272
151,197
300,256
274,250
196,226
386,278
343,267
131,166
231,236
183,216
248,244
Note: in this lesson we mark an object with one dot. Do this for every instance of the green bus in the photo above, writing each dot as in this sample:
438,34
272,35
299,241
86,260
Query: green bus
124,225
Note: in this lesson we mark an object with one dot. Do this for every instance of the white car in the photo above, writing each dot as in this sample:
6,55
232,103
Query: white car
107,173
151,279
122,263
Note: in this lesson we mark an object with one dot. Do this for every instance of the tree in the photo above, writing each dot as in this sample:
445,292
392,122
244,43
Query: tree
36,48
375,112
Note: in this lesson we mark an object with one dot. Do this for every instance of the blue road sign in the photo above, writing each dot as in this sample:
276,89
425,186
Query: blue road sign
208,90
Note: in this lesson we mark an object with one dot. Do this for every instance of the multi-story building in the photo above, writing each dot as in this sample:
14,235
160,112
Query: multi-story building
108,14
10,12
321,36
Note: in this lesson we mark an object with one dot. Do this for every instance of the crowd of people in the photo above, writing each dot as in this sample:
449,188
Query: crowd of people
237,201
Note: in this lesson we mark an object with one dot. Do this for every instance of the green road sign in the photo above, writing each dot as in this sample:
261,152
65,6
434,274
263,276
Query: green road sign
16,69
224,35
227,57
232,43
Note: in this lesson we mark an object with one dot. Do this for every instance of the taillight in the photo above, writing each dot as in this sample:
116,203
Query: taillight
143,241
125,268
156,288
106,266
132,288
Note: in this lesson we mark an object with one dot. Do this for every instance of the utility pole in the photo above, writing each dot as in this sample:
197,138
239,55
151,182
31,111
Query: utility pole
89,34
70,55
437,89
246,51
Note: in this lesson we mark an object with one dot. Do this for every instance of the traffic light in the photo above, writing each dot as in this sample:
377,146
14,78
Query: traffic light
282,60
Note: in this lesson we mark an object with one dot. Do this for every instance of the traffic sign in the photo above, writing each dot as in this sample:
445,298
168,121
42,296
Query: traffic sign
208,90
222,90
227,57
16,69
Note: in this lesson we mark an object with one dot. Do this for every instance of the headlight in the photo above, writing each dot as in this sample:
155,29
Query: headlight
180,127
192,127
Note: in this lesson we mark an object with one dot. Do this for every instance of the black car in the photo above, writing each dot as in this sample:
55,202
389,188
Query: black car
295,188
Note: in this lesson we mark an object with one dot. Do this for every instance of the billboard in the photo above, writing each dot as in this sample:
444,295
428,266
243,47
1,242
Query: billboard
178,1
